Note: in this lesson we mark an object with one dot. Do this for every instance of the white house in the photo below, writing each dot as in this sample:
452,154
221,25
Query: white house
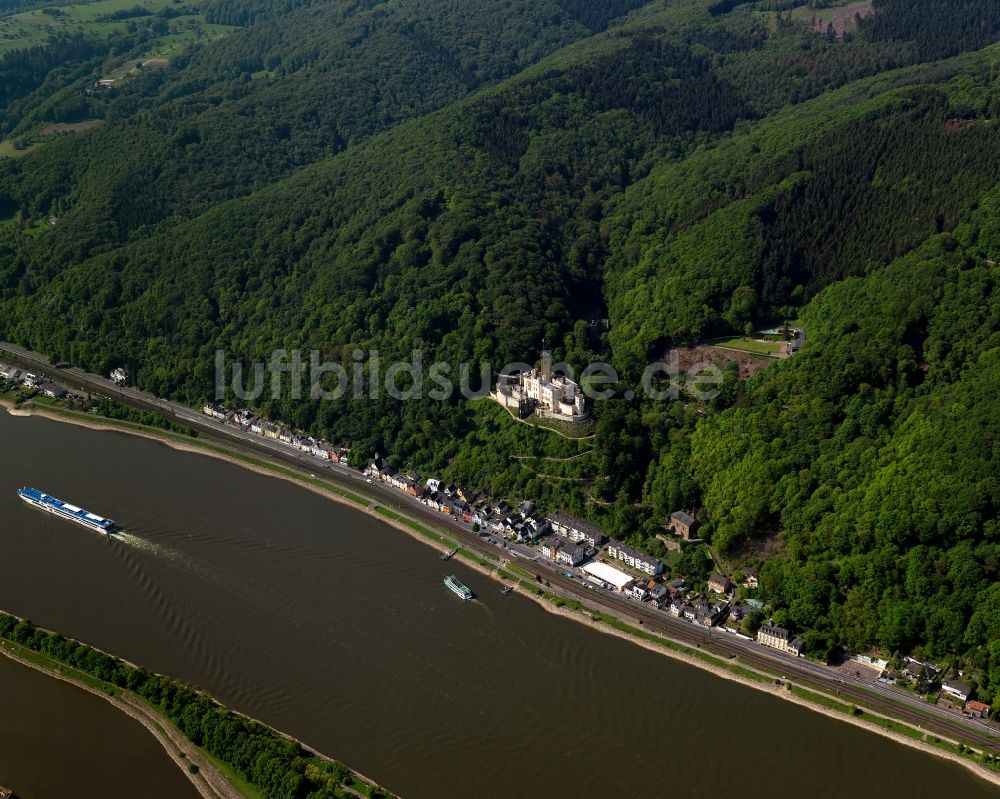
576,529
634,558
957,689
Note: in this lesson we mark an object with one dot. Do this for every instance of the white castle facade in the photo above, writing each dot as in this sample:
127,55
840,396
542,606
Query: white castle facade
540,392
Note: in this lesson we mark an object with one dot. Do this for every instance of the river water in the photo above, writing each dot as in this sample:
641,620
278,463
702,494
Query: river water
59,742
335,628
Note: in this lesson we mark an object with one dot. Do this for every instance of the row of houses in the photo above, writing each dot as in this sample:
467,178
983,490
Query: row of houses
672,597
700,611
521,525
252,423
49,388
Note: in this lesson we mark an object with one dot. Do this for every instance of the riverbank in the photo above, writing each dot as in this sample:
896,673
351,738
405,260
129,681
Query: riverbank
206,779
733,670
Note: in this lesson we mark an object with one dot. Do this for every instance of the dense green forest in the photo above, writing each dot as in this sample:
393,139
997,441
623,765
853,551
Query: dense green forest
472,179
279,768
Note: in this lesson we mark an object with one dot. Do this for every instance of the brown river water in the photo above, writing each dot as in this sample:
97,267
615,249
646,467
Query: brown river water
59,742
337,629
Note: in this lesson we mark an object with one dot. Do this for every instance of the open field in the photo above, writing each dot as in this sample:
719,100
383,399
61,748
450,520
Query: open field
31,28
842,18
70,127
745,344
8,150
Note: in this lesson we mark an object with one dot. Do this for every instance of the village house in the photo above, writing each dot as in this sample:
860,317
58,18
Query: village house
496,524
215,411
379,469
719,583
658,593
634,558
539,527
256,426
285,436
551,547
683,525
957,689
750,578
481,515
576,529
779,638
639,591
572,554
303,443
54,390
976,710
709,615
539,391
920,672
330,452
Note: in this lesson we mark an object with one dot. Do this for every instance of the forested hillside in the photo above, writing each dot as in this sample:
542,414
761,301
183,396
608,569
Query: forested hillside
240,113
474,178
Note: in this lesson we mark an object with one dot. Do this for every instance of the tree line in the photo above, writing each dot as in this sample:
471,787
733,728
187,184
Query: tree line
278,767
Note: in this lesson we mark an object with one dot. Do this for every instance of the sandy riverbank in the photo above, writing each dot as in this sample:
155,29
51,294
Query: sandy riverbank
581,617
209,783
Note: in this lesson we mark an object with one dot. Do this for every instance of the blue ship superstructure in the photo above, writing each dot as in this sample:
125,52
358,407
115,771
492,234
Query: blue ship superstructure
67,511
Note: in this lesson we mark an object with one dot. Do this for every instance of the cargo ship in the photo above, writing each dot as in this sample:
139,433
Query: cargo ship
67,511
453,584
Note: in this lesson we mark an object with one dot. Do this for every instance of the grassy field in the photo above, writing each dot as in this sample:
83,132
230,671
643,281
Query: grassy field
30,28
750,345
8,150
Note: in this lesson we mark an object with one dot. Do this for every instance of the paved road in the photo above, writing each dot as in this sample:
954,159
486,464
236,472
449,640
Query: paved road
884,699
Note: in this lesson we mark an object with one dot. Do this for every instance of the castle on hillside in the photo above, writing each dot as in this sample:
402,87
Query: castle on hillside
540,392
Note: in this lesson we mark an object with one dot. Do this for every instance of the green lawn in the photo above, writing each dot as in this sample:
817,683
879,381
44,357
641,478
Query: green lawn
750,345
